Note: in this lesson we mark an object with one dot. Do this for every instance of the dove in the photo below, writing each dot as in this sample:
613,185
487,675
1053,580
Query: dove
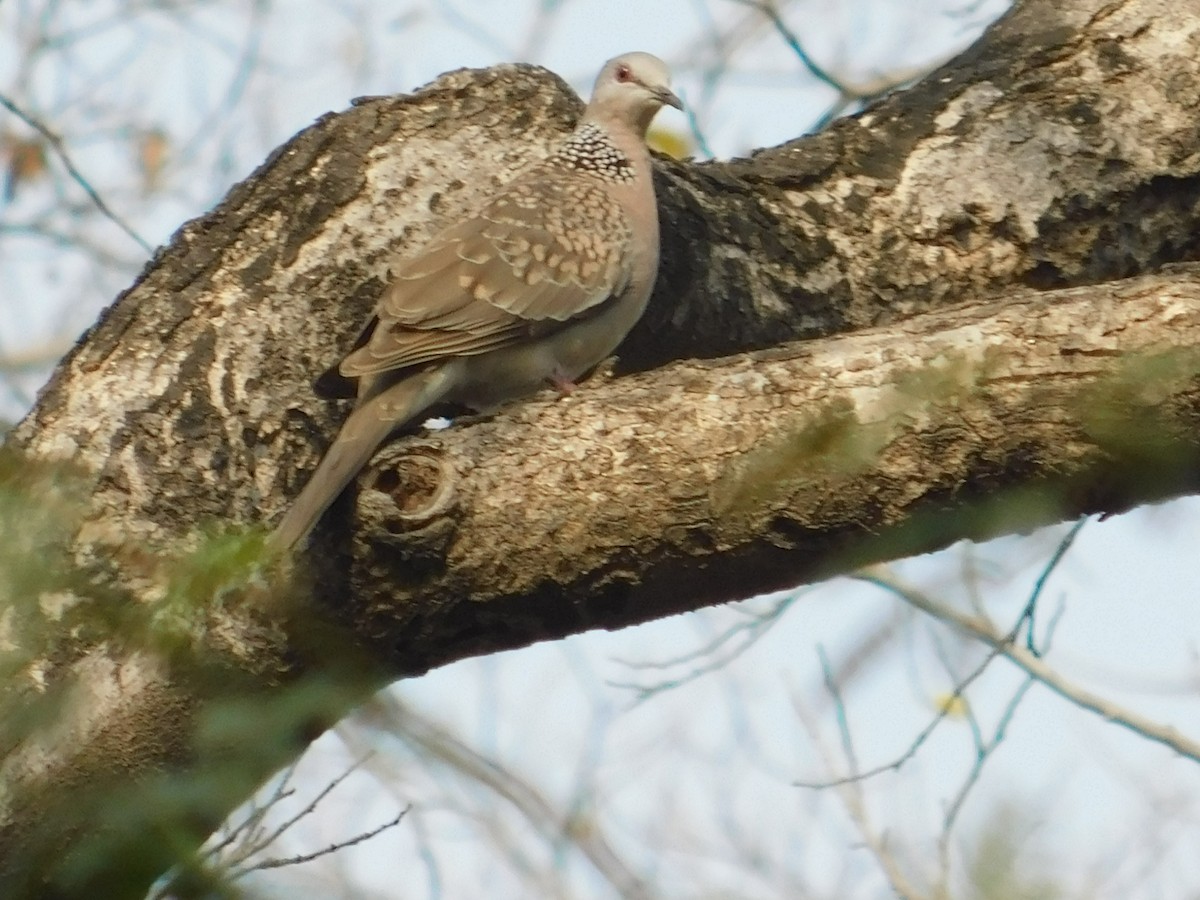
533,290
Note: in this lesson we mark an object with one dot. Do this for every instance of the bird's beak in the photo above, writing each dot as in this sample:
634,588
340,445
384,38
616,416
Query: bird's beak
669,99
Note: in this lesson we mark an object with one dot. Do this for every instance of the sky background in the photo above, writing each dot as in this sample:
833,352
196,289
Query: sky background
695,786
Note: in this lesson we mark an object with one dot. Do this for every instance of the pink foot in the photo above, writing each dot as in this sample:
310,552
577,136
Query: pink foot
564,386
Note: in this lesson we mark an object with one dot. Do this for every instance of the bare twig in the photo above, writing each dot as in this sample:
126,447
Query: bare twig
848,94
233,852
917,742
984,749
250,832
839,709
1001,643
269,838
280,862
768,9
56,144
849,789
1031,605
434,742
751,630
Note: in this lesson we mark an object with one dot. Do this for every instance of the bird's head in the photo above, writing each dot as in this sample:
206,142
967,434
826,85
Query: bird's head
630,89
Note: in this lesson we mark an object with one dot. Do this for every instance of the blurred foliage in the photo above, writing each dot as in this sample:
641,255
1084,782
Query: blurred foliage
674,144
1003,864
52,613
40,508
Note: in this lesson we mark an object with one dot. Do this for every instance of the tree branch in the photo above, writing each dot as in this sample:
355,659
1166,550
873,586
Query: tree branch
705,482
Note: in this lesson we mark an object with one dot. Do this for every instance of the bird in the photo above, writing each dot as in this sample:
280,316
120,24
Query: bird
534,290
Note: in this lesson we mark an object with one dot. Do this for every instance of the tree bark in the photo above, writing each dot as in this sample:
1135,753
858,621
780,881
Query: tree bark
961,260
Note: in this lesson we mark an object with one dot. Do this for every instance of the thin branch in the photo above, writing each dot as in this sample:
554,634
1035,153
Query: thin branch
279,863
839,709
270,838
898,763
986,749
983,753
768,9
388,713
696,130
848,94
753,629
1002,644
1027,614
849,790
251,826
60,151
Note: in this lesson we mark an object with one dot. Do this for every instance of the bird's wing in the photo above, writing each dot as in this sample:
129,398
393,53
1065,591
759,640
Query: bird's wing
540,254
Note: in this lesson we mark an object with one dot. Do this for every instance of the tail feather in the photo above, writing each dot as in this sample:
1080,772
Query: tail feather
363,431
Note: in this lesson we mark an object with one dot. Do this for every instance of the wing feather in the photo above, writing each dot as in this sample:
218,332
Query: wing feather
544,252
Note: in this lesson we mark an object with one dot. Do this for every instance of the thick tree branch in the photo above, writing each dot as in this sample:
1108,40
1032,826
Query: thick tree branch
705,482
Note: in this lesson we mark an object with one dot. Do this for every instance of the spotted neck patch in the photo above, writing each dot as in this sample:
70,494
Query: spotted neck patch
591,150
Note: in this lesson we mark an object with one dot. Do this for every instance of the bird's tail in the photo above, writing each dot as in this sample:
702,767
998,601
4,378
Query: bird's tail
361,434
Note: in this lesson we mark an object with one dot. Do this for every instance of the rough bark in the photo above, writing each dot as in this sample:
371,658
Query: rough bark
704,481
1060,151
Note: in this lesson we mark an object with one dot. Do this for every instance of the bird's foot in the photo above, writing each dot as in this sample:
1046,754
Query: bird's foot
562,384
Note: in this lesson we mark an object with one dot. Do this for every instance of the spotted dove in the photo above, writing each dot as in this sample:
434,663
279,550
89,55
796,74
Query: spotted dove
536,289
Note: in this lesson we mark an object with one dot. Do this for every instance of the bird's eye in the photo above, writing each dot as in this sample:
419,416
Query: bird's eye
624,74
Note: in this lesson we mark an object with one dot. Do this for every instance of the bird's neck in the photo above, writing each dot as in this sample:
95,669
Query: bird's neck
597,149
